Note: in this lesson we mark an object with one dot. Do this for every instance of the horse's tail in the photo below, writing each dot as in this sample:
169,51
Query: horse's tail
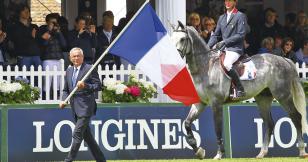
300,102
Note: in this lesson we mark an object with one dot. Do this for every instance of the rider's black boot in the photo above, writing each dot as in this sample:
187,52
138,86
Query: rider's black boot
238,85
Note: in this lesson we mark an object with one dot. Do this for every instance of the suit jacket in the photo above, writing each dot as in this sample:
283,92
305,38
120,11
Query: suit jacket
232,32
102,45
86,41
83,101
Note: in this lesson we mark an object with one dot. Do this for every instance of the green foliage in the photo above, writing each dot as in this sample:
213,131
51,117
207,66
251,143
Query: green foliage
305,86
27,94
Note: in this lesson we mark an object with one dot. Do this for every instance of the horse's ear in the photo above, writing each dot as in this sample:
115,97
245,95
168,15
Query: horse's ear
171,25
181,25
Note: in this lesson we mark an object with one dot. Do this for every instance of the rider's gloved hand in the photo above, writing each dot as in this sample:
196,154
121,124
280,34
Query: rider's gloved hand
220,45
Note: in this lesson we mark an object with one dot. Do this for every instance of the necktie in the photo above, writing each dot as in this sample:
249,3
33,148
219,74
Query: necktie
74,78
109,36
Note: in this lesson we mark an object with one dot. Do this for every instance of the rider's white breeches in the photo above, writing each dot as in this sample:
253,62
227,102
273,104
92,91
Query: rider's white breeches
230,58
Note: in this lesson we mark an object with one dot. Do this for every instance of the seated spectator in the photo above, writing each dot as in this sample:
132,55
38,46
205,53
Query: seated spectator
194,20
23,37
267,45
302,53
208,25
277,41
83,37
286,49
290,26
105,36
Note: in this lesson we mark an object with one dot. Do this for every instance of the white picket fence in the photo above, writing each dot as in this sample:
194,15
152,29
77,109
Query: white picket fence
42,78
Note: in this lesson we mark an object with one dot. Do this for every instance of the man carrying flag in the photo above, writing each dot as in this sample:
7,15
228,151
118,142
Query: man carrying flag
152,51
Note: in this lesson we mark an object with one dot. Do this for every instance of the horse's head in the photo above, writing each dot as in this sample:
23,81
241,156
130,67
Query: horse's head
180,38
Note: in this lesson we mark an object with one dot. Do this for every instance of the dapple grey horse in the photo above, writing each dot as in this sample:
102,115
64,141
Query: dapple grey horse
276,77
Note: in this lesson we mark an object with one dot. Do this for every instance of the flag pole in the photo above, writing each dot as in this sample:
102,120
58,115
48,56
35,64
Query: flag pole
106,51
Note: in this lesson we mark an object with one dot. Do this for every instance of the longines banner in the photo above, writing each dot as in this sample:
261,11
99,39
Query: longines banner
122,133
141,132
247,131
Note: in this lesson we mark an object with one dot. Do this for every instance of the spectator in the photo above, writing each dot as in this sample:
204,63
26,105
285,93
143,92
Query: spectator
286,49
208,25
277,42
301,29
63,23
267,45
83,37
194,20
111,16
122,23
290,27
51,42
88,17
302,53
2,44
23,37
302,23
106,35
271,27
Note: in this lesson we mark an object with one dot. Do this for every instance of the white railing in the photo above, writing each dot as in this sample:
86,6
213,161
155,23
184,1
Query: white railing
41,78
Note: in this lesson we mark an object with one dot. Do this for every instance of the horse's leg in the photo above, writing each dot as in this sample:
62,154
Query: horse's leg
296,117
264,101
217,112
193,114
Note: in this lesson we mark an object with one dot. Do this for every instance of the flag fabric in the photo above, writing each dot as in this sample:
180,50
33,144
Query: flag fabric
146,44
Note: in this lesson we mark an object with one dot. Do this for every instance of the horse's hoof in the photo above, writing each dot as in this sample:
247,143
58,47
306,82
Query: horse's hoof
200,153
262,154
304,156
218,156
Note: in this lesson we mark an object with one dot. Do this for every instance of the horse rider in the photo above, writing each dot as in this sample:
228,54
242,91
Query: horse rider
231,28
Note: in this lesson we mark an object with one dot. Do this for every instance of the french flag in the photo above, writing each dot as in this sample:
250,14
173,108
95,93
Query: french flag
146,44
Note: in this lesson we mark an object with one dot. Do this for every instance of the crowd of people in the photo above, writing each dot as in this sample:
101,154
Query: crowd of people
24,43
290,40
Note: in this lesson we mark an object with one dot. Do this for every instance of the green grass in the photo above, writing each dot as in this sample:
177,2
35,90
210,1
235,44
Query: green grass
293,159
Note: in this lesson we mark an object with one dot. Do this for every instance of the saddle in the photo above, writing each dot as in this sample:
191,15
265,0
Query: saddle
238,65
244,67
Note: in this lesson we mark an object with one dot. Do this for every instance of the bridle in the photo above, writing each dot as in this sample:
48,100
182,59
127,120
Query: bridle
184,48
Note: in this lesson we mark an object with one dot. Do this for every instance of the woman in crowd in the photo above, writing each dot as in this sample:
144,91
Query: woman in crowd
267,45
286,49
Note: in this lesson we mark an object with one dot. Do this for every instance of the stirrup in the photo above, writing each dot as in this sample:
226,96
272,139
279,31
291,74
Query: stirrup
240,94
237,94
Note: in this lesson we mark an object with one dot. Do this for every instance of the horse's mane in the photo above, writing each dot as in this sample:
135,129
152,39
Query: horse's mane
199,45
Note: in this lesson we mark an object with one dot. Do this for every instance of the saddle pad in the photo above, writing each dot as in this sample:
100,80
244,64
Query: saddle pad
250,71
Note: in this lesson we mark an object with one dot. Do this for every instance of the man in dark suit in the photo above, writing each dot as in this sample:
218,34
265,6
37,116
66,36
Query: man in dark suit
105,35
82,103
231,28
83,37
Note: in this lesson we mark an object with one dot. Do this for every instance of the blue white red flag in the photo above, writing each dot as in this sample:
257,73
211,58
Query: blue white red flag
146,44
